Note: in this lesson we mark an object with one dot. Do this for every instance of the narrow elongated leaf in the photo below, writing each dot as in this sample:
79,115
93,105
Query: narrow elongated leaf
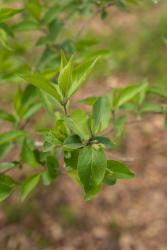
151,108
25,26
73,160
45,177
42,83
51,14
4,191
90,195
119,170
7,13
34,10
43,131
106,142
88,101
109,181
30,111
157,91
11,135
77,123
73,142
51,139
49,73
128,93
17,101
65,77
79,75
28,156
4,149
6,116
4,39
55,28
29,95
91,167
45,102
63,61
29,184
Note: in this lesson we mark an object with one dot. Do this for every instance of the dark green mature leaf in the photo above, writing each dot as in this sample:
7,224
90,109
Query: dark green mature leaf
29,96
27,155
91,167
34,10
90,195
7,180
73,142
73,174
55,28
51,139
11,135
119,170
79,75
88,101
109,181
52,165
77,123
7,117
4,191
128,93
73,160
29,184
47,146
42,83
51,14
45,177
104,14
157,91
151,108
106,142
7,13
4,149
65,77
44,100
25,26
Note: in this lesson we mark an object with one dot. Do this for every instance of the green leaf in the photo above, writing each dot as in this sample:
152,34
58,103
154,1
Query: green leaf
17,101
7,165
65,77
61,128
31,110
27,155
122,6
42,83
45,177
49,73
7,13
34,10
43,40
63,61
47,146
5,149
128,93
58,136
90,195
73,174
77,123
106,142
120,170
53,165
7,117
157,91
151,108
29,95
91,167
29,184
73,142
155,1
7,180
109,181
11,135
73,160
79,75
51,14
55,28
98,53
129,106
104,14
4,191
51,139
3,39
142,94
7,29
88,101
43,131
118,124
55,102
45,102
25,26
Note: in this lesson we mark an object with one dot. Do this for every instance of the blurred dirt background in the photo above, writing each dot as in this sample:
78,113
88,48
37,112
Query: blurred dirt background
132,215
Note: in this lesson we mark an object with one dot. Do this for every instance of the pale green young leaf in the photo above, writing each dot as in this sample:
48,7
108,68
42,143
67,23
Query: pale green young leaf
142,94
55,102
79,75
42,83
45,102
65,76
27,156
43,131
49,73
7,13
61,128
128,93
63,60
51,14
91,167
119,170
17,101
88,101
58,136
73,142
51,139
5,149
7,117
34,10
104,141
25,26
4,191
151,108
157,91
47,146
4,39
29,184
30,111
67,154
45,177
73,160
11,135
77,123
90,195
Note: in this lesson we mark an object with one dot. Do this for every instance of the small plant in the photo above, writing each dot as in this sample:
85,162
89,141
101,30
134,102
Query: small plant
78,137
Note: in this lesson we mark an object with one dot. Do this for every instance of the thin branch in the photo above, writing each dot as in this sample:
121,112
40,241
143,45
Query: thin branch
119,158
98,10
